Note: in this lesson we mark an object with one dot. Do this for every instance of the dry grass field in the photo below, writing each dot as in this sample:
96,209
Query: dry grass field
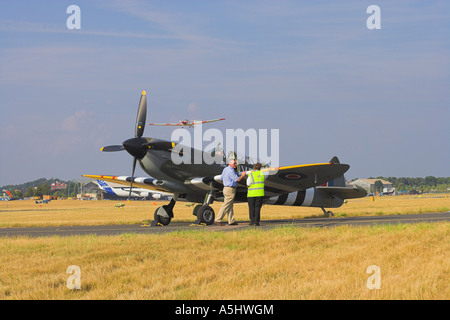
283,263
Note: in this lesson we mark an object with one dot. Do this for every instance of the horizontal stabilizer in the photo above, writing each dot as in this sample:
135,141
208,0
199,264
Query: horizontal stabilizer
349,192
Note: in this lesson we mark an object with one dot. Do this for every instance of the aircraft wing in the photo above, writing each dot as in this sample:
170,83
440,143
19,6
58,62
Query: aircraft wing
167,124
187,124
139,182
206,121
283,180
301,177
280,180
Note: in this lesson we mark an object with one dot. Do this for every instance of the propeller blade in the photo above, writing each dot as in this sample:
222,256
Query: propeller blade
141,116
112,148
132,177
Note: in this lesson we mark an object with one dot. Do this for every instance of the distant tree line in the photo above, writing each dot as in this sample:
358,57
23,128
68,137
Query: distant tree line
427,184
41,187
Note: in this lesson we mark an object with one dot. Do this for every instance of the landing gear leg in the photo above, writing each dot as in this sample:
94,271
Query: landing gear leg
327,213
164,214
204,213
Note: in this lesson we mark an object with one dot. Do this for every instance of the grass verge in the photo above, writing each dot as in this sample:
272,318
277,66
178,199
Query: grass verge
284,263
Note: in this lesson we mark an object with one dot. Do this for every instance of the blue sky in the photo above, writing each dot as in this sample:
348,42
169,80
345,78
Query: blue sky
378,99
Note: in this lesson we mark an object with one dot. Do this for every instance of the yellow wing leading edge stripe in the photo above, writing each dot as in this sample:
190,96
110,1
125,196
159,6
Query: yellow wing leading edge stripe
296,166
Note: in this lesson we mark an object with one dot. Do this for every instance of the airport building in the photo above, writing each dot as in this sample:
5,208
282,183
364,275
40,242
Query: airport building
58,186
369,185
91,191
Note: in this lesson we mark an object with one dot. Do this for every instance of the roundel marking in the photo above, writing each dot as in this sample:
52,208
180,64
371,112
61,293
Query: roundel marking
291,176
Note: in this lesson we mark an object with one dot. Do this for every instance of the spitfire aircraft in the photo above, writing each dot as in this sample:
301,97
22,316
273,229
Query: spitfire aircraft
186,123
319,185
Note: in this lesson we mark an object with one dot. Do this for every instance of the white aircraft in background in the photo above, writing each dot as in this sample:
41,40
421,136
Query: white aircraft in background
186,123
122,191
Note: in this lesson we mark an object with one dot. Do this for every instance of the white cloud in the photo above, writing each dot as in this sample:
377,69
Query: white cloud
75,122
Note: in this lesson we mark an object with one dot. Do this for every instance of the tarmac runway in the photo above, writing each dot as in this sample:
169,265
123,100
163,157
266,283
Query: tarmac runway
103,230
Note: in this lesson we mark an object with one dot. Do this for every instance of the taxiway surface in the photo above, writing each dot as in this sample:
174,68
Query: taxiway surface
243,225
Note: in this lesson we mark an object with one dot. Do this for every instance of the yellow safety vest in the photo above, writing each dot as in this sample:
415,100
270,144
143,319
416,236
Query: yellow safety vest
256,187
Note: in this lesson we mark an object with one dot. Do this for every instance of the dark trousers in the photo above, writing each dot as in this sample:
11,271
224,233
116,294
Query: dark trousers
254,208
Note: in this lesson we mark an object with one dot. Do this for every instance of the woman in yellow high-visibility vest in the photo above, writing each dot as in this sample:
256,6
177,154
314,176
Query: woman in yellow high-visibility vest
255,194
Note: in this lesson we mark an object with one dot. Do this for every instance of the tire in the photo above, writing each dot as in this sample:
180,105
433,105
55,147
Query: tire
205,214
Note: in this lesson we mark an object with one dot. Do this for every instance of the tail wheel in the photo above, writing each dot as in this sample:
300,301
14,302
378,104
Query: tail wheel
205,214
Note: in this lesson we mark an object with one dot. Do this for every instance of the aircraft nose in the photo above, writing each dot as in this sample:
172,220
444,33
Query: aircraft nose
137,147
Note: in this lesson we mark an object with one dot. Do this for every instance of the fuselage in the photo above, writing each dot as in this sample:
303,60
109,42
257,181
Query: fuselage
159,164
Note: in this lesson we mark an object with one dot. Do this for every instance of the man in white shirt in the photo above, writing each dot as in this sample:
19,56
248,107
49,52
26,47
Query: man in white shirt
230,182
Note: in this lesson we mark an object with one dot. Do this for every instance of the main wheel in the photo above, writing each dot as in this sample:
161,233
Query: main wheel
205,214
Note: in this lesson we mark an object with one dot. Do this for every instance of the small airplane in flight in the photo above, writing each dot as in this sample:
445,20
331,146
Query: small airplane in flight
186,123
312,185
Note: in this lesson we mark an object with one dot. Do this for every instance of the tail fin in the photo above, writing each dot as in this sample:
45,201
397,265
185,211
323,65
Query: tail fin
105,186
337,187
337,182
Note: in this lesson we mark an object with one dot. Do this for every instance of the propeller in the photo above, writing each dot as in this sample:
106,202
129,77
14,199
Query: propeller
137,146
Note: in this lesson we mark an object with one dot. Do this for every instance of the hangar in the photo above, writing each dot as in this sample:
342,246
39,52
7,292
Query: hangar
369,185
